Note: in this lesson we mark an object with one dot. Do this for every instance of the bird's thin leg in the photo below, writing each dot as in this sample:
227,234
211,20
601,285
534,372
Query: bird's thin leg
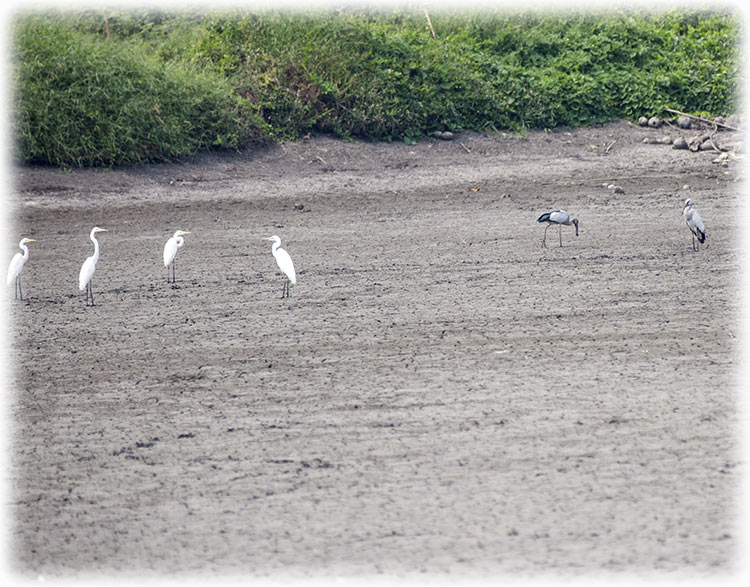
694,247
288,288
174,264
559,226
91,291
167,273
544,240
20,291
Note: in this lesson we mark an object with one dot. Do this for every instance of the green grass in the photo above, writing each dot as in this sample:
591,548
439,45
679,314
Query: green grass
164,86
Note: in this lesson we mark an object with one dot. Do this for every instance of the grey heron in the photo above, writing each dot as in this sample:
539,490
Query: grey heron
695,223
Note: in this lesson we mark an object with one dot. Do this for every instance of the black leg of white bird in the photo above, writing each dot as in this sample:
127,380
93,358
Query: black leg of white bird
544,240
19,291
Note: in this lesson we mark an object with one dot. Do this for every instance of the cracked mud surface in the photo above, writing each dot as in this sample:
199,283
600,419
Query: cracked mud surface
439,395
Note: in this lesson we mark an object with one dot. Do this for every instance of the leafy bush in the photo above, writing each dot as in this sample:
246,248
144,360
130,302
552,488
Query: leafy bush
81,100
167,85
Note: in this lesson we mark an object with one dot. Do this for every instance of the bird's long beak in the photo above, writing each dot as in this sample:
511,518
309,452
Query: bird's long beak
267,238
30,240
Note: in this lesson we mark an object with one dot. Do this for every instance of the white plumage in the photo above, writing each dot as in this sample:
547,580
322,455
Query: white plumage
16,265
89,266
284,261
170,251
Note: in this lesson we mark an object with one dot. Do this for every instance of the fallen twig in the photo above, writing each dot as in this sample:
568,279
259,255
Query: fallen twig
705,120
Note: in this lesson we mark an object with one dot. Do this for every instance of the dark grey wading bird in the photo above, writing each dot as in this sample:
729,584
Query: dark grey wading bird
694,222
558,217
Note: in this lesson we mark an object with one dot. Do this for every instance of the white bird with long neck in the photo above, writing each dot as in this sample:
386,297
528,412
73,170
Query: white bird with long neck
694,222
89,266
558,217
170,251
284,261
16,264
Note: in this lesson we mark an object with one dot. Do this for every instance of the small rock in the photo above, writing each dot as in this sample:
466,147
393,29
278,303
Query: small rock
643,121
679,143
685,122
720,119
299,206
649,141
438,134
665,140
615,189
654,122
446,135
695,143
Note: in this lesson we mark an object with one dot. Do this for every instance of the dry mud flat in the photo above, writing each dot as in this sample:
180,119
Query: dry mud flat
439,395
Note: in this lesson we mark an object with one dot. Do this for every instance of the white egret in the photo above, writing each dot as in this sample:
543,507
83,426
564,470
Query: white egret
284,261
88,267
558,217
16,264
694,222
170,251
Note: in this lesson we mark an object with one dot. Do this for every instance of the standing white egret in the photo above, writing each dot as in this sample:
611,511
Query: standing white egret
88,267
694,222
16,264
558,217
170,251
284,261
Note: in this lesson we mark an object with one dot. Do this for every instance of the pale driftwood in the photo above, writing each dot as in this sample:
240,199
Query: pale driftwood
721,124
429,22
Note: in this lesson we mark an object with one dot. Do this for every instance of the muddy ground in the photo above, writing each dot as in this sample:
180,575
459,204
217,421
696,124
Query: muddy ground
440,396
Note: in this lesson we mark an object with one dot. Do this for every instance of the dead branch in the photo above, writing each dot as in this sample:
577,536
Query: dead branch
705,120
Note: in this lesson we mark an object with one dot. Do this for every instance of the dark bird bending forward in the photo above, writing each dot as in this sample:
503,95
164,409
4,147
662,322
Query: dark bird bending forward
558,217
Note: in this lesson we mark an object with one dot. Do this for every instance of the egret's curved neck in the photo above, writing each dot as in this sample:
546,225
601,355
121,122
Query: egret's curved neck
275,247
25,250
180,241
96,246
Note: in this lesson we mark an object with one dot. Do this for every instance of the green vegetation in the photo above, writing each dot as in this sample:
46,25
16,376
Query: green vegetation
151,86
